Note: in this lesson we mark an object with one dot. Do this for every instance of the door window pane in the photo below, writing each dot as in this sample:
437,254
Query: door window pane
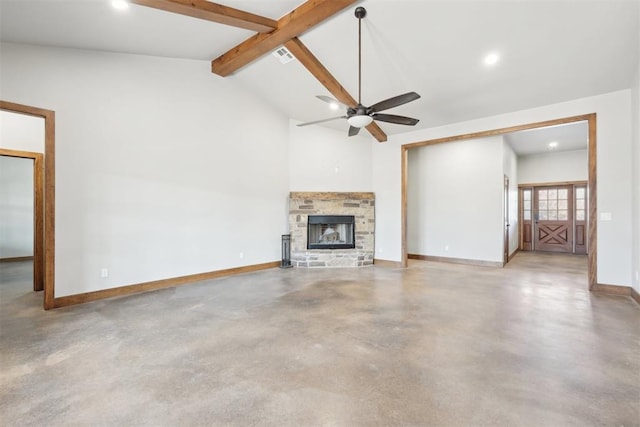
553,194
526,194
527,215
580,215
543,215
579,193
563,193
542,194
579,204
527,205
562,204
563,215
553,215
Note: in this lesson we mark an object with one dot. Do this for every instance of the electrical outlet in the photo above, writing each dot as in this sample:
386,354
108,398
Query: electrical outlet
104,273
446,248
241,255
380,250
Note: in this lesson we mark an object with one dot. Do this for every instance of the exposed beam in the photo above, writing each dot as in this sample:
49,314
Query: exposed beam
213,12
319,71
289,26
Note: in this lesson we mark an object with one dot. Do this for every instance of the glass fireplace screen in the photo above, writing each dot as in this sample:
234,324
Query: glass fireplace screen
331,232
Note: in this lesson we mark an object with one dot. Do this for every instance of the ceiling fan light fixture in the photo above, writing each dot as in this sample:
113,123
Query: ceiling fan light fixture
359,121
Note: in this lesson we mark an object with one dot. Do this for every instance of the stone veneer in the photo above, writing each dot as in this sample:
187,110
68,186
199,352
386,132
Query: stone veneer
360,205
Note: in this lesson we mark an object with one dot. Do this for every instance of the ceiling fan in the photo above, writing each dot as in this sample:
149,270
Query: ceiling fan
359,116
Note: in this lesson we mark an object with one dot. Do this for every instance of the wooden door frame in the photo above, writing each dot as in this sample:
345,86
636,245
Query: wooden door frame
38,212
592,180
47,196
506,223
532,186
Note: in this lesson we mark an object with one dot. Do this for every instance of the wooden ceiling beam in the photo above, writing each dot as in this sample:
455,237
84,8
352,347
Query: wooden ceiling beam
320,72
214,12
301,19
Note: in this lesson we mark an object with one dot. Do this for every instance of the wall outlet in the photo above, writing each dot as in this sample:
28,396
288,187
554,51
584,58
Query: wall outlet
446,248
104,273
241,255
637,276
380,250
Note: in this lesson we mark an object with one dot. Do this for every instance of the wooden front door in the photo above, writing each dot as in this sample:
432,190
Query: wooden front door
553,216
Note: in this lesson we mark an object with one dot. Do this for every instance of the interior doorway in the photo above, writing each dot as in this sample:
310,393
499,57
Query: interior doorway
45,193
19,251
590,196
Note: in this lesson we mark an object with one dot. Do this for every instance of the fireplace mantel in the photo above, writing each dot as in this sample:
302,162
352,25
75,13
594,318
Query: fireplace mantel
359,204
331,196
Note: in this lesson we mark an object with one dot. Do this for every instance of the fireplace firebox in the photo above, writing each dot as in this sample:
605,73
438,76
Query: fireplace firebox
331,232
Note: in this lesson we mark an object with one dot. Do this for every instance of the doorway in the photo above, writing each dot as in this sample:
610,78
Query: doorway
554,218
44,227
590,197
19,249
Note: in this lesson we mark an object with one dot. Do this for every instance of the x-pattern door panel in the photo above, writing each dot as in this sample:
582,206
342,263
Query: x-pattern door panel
553,219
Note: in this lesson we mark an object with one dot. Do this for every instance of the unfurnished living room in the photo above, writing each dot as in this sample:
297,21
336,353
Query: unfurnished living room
322,212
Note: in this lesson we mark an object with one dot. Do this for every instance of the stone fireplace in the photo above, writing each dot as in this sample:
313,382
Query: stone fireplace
331,229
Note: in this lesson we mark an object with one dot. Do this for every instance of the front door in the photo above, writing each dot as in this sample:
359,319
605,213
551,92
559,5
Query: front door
553,229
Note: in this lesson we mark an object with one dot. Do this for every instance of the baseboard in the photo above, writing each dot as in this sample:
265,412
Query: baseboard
626,291
17,258
386,263
456,260
157,284
513,254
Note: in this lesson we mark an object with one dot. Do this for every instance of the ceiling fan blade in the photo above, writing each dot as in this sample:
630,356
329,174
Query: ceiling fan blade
353,130
331,101
392,118
394,102
322,121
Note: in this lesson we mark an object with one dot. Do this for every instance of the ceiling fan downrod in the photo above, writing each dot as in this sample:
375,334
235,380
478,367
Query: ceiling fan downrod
360,13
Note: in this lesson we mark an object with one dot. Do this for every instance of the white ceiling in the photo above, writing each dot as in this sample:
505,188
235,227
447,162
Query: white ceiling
568,137
551,51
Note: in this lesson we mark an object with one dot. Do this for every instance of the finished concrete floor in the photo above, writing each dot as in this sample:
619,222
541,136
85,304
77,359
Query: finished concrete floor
435,344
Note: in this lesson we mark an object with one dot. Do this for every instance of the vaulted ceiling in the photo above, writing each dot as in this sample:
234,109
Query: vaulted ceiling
550,51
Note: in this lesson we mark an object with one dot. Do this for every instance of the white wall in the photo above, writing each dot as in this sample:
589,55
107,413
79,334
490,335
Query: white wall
510,168
322,159
454,200
558,166
16,207
157,176
21,132
614,174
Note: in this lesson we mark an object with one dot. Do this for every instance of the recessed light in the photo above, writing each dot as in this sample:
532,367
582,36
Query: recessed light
491,59
333,106
552,145
120,4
